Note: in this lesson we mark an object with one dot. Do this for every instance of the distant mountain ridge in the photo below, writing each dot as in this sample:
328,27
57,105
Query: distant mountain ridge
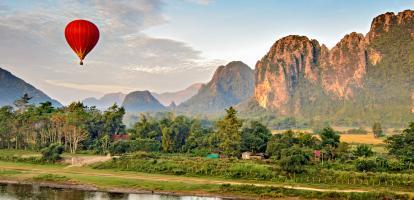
105,101
230,85
142,101
167,98
12,88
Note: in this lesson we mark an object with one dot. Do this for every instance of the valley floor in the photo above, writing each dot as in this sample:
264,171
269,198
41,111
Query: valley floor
133,182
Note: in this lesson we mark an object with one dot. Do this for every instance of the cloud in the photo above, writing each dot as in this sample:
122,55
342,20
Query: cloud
201,2
33,44
91,87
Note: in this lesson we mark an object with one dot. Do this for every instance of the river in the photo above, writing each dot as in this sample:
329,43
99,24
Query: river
36,192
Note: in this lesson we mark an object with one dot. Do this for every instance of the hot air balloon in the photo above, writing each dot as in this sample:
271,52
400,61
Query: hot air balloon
82,36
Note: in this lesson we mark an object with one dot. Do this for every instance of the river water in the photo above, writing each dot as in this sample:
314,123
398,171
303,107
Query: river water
35,192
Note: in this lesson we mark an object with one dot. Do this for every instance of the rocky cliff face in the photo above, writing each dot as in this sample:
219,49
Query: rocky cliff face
298,74
141,101
230,85
12,88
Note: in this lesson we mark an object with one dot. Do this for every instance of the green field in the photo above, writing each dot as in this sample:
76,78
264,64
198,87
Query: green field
130,180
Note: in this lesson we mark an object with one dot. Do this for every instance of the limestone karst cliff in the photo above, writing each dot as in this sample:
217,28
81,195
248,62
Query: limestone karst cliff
368,76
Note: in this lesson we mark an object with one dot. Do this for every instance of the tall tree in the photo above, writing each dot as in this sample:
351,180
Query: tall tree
228,131
6,120
76,129
255,137
377,130
329,137
402,145
113,120
22,103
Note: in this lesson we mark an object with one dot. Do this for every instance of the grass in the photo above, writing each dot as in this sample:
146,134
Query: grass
9,172
50,178
108,179
18,153
112,179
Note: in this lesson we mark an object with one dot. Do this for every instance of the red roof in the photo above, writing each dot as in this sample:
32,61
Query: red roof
120,137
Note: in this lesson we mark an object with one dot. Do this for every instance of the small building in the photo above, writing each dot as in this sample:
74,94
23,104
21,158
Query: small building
120,137
252,156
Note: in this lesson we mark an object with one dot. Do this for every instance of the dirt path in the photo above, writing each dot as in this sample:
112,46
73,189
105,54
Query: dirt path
164,178
79,161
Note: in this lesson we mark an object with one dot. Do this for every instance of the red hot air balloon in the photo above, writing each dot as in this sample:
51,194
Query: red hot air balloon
81,36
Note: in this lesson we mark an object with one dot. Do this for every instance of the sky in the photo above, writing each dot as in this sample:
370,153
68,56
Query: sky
163,45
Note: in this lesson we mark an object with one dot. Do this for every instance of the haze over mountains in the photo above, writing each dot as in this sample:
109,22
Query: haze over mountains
106,101
12,88
363,79
230,85
167,98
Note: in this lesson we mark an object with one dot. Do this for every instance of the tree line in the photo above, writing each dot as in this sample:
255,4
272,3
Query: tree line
76,127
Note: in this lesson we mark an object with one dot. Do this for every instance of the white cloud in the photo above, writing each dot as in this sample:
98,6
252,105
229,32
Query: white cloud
201,2
92,87
33,44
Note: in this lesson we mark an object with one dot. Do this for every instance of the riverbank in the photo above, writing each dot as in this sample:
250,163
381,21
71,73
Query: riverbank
132,182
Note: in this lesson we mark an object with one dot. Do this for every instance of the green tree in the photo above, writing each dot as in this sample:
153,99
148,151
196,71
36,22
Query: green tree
76,131
294,159
329,137
402,145
6,120
279,142
229,134
52,153
377,130
198,138
113,120
255,137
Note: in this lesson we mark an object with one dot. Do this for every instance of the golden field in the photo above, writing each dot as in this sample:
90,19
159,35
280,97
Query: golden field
361,138
349,138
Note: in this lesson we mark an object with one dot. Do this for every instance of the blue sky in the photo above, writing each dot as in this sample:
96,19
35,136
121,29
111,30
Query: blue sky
163,45
245,29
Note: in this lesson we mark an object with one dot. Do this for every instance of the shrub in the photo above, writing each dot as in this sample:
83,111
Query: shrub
127,146
364,164
294,159
363,150
52,153
396,165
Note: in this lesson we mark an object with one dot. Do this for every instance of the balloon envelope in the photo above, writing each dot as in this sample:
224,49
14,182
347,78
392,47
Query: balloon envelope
82,36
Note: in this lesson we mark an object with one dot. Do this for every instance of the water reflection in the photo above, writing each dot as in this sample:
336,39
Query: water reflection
35,192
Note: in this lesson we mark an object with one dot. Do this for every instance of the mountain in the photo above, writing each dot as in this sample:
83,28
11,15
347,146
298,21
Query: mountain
230,85
178,97
363,79
141,101
12,88
105,101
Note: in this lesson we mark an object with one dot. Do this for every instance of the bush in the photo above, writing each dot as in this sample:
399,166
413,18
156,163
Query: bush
50,177
128,146
365,165
363,150
52,153
396,165
294,159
